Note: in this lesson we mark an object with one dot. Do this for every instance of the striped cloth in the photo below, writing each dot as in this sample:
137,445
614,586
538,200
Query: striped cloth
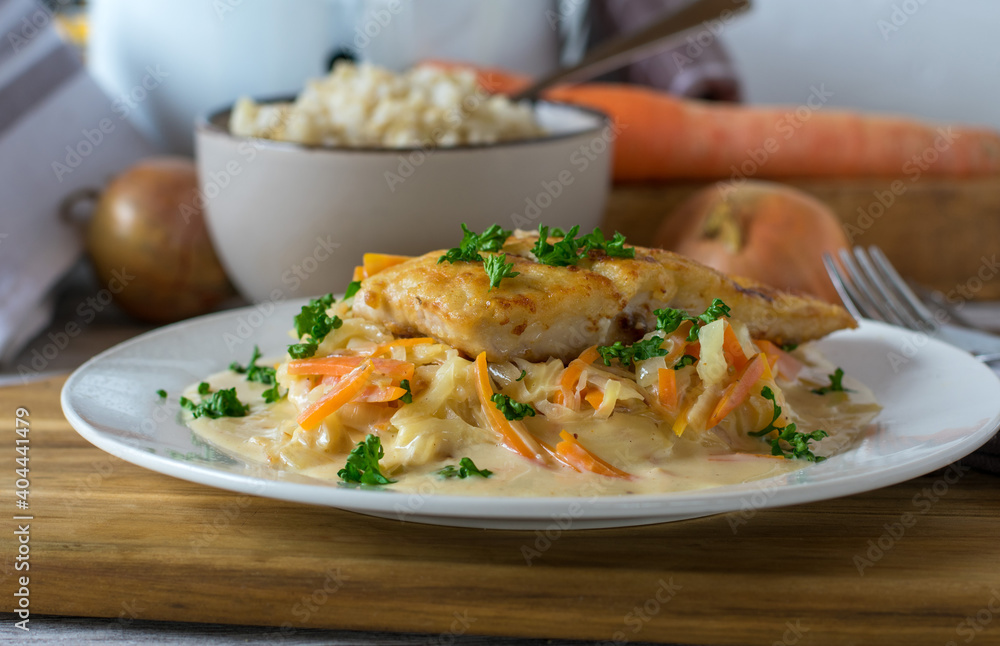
59,135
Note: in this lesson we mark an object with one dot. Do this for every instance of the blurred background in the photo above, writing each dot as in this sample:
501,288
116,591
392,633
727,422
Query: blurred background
914,57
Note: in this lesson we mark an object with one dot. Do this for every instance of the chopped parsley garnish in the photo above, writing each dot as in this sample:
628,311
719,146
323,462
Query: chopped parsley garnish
615,247
466,468
571,249
314,321
352,289
798,441
685,361
497,269
272,395
563,253
493,238
362,464
836,384
161,393
669,319
224,403
789,347
468,250
524,373
408,397
302,350
204,388
629,354
512,409
260,374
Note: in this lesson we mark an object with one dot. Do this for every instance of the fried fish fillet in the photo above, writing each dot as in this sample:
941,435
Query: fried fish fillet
548,311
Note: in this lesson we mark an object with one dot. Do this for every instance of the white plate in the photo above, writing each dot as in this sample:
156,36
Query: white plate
939,405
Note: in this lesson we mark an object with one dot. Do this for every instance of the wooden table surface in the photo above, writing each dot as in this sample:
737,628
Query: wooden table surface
915,563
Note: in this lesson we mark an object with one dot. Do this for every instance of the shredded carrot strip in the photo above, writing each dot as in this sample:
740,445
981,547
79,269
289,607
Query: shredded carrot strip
732,349
339,395
511,437
372,393
681,423
373,263
594,397
738,391
590,355
556,456
341,365
582,460
787,365
667,382
359,273
772,359
571,375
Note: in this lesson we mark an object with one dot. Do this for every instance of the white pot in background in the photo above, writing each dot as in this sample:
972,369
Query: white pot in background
164,62
520,35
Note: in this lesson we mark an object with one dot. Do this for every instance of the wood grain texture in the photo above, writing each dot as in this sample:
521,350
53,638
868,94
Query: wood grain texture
111,539
941,233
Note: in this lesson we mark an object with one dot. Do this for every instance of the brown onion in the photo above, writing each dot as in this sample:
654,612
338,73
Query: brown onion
149,244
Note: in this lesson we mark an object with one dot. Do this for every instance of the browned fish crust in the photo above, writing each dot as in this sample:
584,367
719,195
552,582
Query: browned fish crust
550,311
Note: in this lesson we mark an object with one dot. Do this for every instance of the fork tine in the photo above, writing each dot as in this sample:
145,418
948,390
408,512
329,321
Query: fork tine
891,299
937,303
862,293
924,316
840,284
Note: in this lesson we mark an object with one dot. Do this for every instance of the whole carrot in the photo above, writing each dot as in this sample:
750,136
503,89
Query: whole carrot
665,137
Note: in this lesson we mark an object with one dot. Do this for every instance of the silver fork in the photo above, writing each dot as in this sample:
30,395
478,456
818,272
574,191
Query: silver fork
871,288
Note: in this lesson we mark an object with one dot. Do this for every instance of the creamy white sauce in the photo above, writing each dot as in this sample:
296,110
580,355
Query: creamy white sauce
638,443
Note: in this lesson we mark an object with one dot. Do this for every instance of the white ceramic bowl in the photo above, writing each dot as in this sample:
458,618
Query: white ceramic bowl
291,220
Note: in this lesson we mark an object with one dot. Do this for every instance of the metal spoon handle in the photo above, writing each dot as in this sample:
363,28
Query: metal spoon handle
625,49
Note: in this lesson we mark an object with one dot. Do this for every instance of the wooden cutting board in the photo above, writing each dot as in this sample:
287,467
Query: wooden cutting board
943,233
110,539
